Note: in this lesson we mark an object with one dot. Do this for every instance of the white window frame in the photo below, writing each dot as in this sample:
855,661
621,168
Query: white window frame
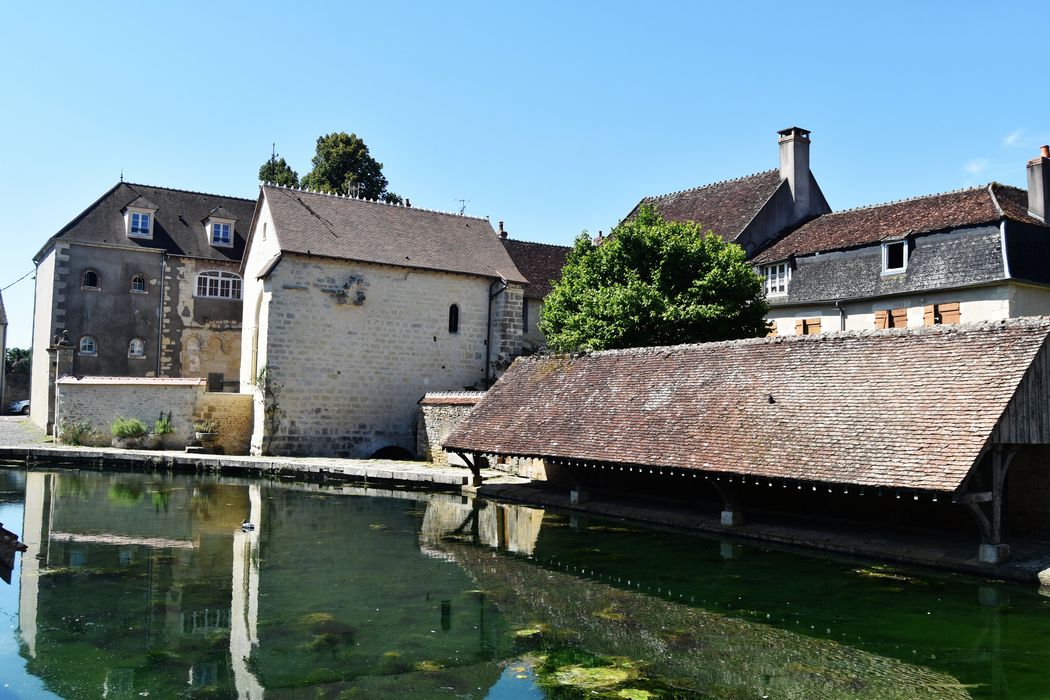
142,347
134,215
218,284
214,226
145,284
776,278
94,345
886,270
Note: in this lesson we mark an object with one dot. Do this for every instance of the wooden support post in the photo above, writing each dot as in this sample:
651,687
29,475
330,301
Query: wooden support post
473,462
987,506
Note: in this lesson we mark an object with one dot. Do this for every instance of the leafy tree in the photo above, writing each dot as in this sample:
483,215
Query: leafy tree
277,171
653,282
17,355
343,165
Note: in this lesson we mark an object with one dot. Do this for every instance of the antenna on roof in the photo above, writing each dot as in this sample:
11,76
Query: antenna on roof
462,205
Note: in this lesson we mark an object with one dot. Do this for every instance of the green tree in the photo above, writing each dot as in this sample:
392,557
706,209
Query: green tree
653,282
343,165
277,171
16,356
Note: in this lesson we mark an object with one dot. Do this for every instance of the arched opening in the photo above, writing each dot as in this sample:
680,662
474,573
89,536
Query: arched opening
89,280
453,319
88,345
393,452
137,348
138,284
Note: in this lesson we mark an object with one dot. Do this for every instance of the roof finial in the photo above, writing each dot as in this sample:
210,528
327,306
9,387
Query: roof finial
122,174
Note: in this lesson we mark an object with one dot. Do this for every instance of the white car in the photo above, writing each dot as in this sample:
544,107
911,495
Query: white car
21,407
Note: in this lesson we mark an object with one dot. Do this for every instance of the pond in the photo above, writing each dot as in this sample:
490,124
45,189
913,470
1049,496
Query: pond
148,586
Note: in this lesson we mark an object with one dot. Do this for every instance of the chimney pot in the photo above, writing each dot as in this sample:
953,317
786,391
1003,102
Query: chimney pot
502,233
1044,151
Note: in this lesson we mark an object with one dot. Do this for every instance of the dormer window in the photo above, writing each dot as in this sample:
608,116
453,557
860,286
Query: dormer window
776,279
894,257
219,224
138,218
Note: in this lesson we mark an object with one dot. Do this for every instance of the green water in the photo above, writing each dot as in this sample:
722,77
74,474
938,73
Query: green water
147,586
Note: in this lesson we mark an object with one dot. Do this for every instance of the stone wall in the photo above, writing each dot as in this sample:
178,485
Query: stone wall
16,383
439,412
98,400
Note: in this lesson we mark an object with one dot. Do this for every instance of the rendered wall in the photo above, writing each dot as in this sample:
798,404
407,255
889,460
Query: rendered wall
43,331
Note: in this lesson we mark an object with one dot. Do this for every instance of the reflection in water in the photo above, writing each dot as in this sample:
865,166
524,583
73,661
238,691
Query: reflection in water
148,584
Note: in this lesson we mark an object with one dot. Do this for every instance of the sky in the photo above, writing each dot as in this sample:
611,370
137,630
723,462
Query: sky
555,117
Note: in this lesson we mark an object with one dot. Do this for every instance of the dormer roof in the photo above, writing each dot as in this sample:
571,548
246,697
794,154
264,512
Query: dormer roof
140,202
221,212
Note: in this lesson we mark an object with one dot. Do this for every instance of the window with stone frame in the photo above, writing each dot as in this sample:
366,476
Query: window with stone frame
453,319
88,345
137,348
138,284
218,285
89,280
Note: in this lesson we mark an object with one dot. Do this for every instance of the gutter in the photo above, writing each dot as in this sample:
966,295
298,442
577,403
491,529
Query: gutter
488,334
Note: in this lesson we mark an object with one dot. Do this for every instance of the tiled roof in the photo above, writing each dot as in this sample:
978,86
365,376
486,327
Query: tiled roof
907,408
451,398
724,207
389,234
177,223
869,225
541,263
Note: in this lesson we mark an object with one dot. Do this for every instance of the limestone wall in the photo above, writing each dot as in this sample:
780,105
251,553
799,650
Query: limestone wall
439,413
98,400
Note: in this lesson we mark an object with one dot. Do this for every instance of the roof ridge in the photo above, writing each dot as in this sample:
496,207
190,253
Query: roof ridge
973,188
548,245
179,189
1014,322
995,200
710,184
371,201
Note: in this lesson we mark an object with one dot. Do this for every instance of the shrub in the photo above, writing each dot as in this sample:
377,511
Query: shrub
163,425
75,432
128,427
206,426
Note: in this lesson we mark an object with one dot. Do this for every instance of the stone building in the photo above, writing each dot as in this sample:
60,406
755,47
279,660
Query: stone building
143,283
914,428
541,263
355,309
966,256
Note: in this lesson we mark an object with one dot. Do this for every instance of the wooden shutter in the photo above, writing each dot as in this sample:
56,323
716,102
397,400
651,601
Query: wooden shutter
800,327
928,315
881,319
899,318
814,326
949,312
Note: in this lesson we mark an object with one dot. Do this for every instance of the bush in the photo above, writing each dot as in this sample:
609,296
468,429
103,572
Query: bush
163,425
75,432
128,427
206,426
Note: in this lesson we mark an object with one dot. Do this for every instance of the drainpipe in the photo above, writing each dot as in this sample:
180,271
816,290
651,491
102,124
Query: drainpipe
488,336
842,315
160,309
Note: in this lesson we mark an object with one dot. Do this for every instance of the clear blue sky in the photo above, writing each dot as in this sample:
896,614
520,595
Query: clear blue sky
554,117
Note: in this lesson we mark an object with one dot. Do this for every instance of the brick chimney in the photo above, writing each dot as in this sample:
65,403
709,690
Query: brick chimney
794,167
502,233
1039,185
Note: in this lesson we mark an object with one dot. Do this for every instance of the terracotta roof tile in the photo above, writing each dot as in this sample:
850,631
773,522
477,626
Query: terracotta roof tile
880,222
541,263
724,207
905,408
389,234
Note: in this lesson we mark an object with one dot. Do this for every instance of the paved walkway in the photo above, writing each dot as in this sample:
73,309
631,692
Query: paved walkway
18,430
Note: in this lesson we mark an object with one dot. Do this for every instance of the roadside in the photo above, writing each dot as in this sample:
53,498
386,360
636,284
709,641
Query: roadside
19,430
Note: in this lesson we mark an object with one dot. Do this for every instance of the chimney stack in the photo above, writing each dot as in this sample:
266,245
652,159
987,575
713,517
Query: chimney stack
1039,185
794,167
502,233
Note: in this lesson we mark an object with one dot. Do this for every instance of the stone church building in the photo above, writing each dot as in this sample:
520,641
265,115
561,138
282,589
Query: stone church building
355,309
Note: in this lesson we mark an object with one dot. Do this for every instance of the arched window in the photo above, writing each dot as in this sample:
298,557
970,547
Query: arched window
137,348
88,346
89,280
138,284
220,285
453,319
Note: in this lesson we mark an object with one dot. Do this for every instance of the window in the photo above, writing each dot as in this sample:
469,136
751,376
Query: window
221,285
894,257
140,224
220,234
777,278
137,348
807,326
138,284
453,319
88,346
937,314
89,280
897,318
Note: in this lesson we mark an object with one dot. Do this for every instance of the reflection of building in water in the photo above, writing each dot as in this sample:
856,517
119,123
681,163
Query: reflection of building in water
244,632
504,526
123,567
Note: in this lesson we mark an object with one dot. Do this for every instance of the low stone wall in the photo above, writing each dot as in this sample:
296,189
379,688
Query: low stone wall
16,385
96,401
439,412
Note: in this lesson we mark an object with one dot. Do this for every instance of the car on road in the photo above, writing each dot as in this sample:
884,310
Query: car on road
21,407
